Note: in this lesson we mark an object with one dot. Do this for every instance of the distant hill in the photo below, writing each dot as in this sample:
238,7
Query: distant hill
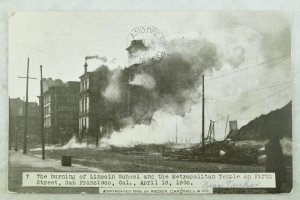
263,127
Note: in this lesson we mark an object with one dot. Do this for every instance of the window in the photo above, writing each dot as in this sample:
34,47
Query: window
87,107
85,104
87,83
80,106
87,122
47,122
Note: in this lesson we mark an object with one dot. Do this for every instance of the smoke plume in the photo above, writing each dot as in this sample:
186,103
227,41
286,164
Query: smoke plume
167,94
113,91
143,80
103,58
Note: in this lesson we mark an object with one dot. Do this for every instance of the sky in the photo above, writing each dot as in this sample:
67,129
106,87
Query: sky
253,76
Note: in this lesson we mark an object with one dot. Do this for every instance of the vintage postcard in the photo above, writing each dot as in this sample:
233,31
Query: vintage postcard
150,102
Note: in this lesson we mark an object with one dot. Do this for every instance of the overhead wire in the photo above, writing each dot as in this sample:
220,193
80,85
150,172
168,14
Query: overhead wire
257,102
249,67
247,91
252,90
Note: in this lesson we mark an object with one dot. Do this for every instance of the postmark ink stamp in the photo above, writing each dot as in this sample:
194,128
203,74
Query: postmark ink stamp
146,45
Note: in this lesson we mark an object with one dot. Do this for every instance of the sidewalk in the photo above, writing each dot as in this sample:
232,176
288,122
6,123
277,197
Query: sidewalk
19,163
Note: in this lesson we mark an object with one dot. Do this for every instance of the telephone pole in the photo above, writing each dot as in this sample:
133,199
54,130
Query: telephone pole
26,109
42,114
203,121
176,131
226,127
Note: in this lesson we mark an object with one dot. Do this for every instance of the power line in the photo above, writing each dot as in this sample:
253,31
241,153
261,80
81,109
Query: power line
246,68
250,105
248,91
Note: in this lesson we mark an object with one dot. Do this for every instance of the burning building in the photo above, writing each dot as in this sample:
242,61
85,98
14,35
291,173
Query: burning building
87,103
111,100
102,102
92,109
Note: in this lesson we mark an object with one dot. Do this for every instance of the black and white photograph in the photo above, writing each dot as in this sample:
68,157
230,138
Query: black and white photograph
153,102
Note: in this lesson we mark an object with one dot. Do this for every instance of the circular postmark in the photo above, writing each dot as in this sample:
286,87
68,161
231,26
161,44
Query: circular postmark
145,45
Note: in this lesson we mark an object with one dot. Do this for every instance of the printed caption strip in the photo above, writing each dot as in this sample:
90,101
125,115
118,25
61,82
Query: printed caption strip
150,183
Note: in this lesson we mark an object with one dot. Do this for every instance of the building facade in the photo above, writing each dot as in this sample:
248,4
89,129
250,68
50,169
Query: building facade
97,115
61,112
16,122
89,97
85,114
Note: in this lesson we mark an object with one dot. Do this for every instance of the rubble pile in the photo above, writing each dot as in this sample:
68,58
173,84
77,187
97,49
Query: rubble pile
219,151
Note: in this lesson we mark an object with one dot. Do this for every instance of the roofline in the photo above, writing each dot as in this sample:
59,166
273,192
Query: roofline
84,74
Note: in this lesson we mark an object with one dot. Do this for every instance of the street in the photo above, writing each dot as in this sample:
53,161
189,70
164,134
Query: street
19,163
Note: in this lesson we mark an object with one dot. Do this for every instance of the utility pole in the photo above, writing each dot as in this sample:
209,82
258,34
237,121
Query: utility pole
26,109
203,121
97,136
42,115
10,124
56,136
226,127
176,130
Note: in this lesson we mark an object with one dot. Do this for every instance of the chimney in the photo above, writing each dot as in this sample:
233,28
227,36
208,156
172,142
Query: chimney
85,68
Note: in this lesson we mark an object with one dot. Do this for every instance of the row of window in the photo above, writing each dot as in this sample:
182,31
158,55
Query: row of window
66,108
47,122
84,84
65,116
47,99
47,110
83,123
65,98
84,104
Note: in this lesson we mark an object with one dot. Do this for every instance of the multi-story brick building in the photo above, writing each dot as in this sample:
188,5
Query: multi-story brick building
61,112
85,114
92,107
16,121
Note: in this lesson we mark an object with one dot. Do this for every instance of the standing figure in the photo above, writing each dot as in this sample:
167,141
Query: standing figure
275,162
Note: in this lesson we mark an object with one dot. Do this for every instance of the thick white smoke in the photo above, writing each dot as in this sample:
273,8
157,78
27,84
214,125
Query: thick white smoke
165,127
144,80
113,92
161,130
